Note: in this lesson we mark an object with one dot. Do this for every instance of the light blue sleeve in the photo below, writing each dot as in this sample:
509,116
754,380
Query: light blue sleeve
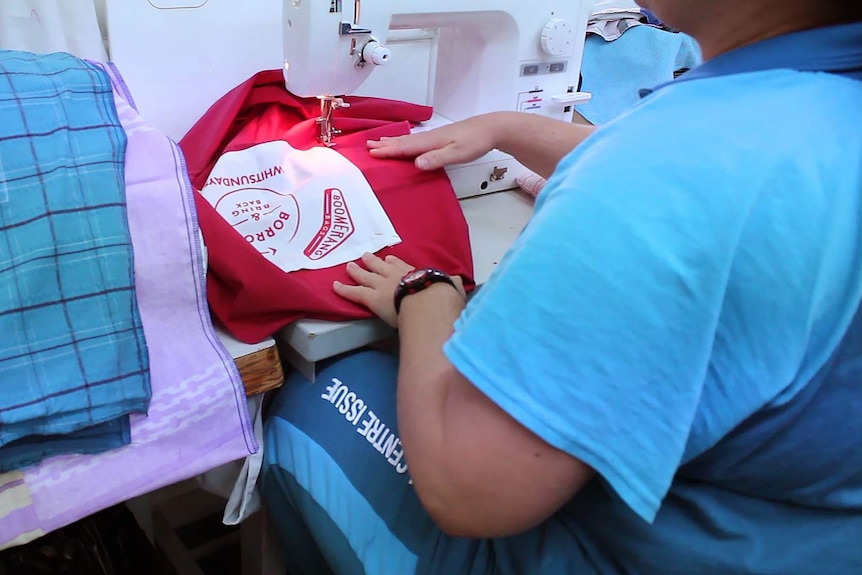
596,330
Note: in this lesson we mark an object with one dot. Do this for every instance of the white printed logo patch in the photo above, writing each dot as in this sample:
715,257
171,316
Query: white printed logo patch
336,228
261,215
300,209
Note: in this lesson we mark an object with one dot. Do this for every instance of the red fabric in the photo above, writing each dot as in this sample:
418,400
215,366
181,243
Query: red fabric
253,298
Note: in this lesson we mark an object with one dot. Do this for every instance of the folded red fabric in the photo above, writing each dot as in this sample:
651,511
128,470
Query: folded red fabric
253,297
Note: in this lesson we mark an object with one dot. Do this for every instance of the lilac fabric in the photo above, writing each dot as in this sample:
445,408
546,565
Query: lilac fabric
198,417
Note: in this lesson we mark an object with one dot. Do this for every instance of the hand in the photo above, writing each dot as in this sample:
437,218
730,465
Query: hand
456,143
376,283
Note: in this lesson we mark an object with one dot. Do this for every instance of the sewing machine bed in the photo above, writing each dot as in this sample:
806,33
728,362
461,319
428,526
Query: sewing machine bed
495,220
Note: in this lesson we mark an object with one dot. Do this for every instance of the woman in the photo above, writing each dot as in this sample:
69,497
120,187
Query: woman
663,375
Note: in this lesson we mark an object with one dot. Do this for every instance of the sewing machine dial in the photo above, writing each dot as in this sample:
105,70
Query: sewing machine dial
558,37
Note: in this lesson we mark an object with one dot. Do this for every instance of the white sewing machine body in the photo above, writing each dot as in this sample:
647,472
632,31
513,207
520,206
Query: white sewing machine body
484,55
462,58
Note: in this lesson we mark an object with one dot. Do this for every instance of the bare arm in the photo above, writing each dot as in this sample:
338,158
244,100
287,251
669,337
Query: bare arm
477,471
538,142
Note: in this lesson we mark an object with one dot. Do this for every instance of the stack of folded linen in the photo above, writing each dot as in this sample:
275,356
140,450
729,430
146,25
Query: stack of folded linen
73,360
113,382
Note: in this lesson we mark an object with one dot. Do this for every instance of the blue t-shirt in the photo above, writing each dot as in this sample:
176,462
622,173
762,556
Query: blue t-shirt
682,314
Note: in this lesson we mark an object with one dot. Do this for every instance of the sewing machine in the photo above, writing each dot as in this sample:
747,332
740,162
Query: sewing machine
485,56
180,56
463,58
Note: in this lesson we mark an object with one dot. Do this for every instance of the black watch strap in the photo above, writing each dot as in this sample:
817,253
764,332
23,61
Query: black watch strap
418,280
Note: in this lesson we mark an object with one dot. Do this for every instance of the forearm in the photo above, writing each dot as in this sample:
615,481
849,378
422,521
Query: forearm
536,141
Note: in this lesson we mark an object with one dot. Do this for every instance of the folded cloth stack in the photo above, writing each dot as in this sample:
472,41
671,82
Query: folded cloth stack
80,173
73,360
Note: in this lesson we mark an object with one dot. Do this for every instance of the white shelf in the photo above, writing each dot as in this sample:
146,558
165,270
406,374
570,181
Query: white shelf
495,220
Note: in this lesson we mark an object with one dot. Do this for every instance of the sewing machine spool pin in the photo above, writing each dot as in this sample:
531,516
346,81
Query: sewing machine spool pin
328,104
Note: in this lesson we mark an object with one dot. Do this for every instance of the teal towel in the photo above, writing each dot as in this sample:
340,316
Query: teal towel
72,349
642,57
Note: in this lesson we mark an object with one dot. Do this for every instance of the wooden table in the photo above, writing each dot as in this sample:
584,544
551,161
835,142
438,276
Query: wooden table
259,364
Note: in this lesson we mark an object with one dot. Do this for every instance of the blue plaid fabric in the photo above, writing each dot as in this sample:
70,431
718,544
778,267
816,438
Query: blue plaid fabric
72,349
96,439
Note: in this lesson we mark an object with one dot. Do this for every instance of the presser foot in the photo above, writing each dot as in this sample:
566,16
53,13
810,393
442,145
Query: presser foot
328,104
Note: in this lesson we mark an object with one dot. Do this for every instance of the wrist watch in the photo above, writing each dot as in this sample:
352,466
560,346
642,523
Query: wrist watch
418,280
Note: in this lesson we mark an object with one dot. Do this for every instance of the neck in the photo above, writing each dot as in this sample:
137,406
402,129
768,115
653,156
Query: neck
733,25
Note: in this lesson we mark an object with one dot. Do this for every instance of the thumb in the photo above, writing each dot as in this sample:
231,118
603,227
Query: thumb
459,286
439,158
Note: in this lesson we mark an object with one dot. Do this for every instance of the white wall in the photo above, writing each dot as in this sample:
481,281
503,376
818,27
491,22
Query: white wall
45,26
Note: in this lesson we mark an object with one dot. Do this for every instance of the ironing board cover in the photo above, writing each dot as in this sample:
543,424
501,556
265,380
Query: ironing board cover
251,296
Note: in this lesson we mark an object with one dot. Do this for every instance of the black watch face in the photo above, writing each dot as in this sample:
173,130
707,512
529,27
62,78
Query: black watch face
413,276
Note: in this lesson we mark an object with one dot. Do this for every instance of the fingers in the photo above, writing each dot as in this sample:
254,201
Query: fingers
383,142
396,261
432,150
357,294
446,156
375,264
425,160
376,145
430,155
377,270
401,146
376,283
391,267
378,298
362,276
